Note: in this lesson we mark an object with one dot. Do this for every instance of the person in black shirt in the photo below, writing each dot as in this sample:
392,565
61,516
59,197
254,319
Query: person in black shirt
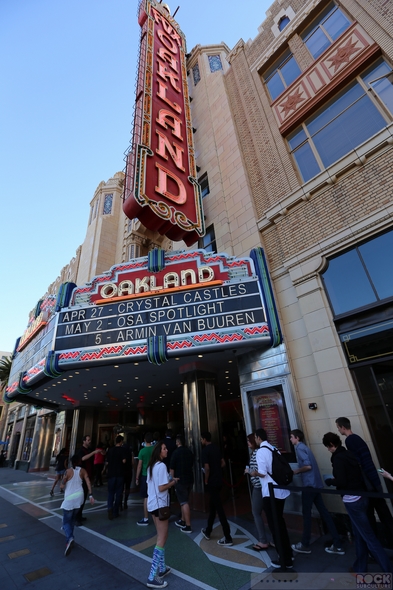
115,460
213,463
86,455
181,467
348,477
60,468
170,444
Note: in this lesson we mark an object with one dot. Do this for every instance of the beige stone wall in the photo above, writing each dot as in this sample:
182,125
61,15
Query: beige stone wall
228,205
103,243
301,225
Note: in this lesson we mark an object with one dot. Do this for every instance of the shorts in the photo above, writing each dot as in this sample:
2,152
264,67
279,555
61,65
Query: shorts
60,472
154,513
143,486
183,493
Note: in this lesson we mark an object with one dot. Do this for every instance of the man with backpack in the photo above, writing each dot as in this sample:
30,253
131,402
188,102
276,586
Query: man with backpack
265,471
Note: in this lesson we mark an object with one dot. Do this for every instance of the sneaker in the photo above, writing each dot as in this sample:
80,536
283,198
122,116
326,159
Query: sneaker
164,573
335,550
51,493
204,533
225,542
145,522
157,583
68,547
180,523
276,563
186,529
299,548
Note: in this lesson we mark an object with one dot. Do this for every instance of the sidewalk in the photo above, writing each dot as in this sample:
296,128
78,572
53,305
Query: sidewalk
120,551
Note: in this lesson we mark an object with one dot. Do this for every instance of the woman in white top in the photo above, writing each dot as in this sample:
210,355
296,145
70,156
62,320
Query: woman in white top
73,498
158,484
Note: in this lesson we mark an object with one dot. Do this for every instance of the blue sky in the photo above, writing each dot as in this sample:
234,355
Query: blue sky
68,73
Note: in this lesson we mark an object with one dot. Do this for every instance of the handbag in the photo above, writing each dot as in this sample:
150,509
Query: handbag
164,513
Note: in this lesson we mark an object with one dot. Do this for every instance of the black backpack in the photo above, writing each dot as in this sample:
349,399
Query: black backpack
281,470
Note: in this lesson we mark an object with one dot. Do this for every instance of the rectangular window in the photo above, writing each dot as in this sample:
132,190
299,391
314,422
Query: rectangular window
208,242
96,208
214,63
325,29
108,204
340,126
360,277
196,74
204,184
281,75
134,251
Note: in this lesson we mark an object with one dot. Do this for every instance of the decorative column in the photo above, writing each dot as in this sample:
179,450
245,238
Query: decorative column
200,413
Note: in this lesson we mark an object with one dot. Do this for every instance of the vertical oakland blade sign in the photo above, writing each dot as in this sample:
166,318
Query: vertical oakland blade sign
161,187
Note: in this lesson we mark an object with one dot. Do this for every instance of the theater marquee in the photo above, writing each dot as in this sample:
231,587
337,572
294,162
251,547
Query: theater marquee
196,302
161,188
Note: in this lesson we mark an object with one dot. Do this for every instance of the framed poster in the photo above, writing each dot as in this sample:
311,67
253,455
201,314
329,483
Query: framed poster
268,411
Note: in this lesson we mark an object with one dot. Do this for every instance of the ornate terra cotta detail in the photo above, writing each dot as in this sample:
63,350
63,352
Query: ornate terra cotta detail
346,55
161,188
343,55
292,102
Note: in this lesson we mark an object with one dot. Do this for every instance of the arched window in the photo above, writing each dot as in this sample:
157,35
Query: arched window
282,23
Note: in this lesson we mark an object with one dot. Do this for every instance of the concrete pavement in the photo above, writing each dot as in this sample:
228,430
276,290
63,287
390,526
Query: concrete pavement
119,551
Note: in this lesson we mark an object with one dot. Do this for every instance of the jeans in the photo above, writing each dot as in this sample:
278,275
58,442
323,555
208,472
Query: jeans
365,539
280,535
308,499
115,493
257,507
216,507
69,517
385,516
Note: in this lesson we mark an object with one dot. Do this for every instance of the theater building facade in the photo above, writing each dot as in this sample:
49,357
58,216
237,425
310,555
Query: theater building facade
255,289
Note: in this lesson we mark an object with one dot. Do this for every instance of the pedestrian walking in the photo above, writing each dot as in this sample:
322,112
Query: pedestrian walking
347,475
158,484
264,463
311,478
60,468
181,468
256,495
87,462
144,457
359,448
115,461
73,498
213,463
99,461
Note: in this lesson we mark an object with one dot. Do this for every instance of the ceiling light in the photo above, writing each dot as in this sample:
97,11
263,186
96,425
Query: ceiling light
119,380
116,366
